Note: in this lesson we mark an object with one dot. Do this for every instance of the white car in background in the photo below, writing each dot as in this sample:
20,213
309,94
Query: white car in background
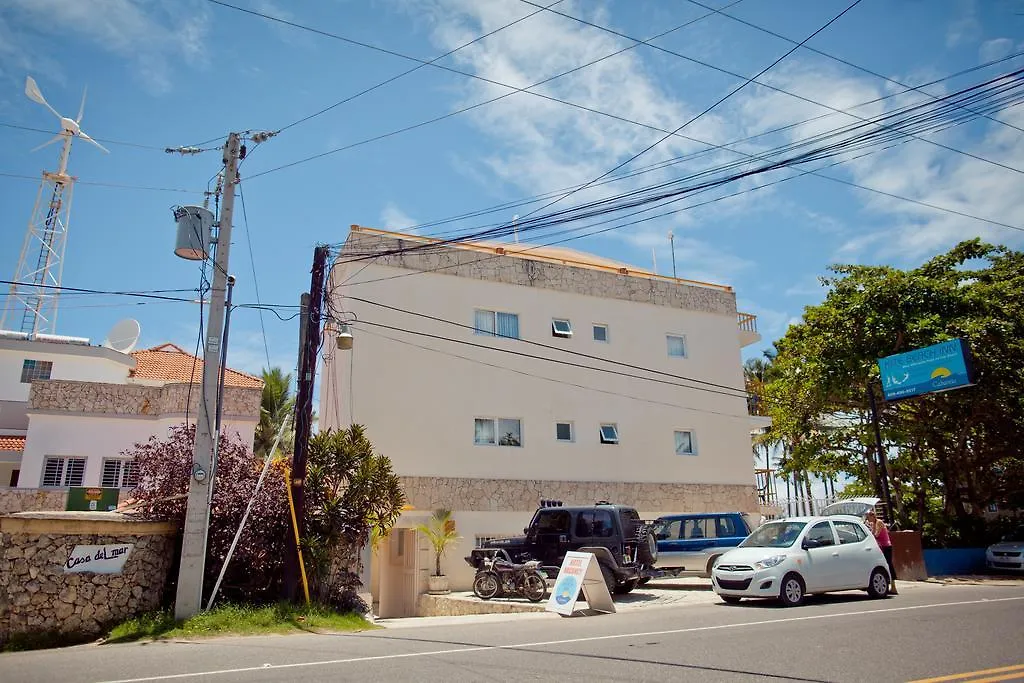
1008,554
791,558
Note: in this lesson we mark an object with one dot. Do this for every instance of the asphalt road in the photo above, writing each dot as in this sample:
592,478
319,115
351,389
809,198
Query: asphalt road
929,632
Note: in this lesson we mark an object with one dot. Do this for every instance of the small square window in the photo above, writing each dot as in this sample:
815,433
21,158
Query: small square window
609,434
563,431
483,432
600,333
35,369
496,324
676,346
510,432
561,328
501,432
684,443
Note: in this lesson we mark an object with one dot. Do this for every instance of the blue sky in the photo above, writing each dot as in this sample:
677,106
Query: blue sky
166,74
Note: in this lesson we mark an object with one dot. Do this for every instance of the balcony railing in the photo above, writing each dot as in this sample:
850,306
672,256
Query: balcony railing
747,322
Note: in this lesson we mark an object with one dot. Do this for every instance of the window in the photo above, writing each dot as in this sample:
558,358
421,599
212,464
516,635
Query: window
821,533
676,346
502,431
60,472
563,431
35,369
551,522
121,474
849,532
609,433
496,324
561,328
684,443
600,333
595,524
669,530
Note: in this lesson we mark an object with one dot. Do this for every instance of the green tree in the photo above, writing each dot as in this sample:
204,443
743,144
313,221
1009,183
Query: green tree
951,453
351,492
276,406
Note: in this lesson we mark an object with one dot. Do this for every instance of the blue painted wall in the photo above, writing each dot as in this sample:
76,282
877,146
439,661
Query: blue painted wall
954,561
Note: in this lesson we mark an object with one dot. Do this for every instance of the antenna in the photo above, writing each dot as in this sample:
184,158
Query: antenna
123,336
672,241
515,228
37,279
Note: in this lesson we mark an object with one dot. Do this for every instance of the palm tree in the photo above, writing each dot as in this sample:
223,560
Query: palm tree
276,406
441,534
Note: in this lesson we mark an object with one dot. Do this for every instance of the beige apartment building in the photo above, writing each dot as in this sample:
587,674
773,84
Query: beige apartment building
495,376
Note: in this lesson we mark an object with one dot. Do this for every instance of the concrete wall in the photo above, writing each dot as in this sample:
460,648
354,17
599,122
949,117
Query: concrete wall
37,596
70,361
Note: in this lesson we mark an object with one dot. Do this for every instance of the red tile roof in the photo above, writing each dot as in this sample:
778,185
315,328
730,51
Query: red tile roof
171,363
12,443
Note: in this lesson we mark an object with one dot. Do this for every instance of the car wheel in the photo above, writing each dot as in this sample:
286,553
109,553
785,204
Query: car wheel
711,565
879,585
609,577
644,581
791,593
731,599
626,586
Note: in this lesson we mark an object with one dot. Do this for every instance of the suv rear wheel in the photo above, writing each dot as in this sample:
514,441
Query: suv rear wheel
626,586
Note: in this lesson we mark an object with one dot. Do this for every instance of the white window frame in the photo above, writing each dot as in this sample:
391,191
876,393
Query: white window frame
64,479
493,332
572,431
561,334
127,475
496,430
693,442
30,375
611,441
607,333
668,345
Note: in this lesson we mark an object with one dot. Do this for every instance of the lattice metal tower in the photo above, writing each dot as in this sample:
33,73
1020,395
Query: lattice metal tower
32,300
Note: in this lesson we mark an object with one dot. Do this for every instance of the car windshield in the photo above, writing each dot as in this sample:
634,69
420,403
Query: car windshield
774,535
1015,536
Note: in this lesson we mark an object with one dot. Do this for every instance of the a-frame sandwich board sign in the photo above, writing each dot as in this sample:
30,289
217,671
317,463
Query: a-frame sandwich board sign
580,571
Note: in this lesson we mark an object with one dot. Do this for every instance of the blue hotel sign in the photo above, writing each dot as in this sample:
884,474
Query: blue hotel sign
940,367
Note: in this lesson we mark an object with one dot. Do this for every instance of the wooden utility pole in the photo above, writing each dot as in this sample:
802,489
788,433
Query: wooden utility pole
309,348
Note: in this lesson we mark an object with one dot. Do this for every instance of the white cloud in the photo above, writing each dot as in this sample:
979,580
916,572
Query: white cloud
994,49
965,27
393,218
152,35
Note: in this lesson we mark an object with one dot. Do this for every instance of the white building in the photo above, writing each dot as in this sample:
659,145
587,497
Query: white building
69,409
496,376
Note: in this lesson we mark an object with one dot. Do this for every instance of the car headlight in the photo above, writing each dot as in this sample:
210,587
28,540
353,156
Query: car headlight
768,562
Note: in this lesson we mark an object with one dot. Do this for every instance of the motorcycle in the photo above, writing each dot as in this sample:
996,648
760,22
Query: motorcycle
499,576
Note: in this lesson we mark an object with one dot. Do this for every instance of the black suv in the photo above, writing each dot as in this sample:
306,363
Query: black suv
624,545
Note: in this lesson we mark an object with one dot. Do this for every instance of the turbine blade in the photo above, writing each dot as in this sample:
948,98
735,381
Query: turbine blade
85,137
81,110
35,94
56,138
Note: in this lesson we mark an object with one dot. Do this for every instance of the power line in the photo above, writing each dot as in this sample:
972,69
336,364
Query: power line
546,359
97,183
255,280
745,417
742,392
767,85
412,70
106,140
832,57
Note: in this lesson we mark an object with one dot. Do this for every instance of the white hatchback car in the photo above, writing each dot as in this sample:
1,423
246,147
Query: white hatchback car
790,558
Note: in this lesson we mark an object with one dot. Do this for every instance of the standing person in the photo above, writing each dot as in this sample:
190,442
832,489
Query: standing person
881,533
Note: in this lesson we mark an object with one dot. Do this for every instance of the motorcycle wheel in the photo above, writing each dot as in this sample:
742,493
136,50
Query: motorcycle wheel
534,587
486,585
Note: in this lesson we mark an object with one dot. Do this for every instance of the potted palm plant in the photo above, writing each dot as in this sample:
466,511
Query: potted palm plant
440,531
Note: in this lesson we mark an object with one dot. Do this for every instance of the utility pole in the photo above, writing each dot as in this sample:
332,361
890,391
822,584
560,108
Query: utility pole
309,335
188,600
672,243
883,462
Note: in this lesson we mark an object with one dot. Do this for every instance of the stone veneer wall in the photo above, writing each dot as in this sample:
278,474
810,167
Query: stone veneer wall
28,500
36,596
510,495
134,399
524,271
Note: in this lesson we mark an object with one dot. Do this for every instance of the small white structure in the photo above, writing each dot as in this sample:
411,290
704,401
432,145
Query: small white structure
561,378
68,408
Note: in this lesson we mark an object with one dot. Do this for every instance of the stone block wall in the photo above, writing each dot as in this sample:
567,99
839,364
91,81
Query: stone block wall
67,396
36,596
509,495
31,500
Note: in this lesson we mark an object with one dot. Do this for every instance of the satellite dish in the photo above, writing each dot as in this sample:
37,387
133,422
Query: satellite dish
123,336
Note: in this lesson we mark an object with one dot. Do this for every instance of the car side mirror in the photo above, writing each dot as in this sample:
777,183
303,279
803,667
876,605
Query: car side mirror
809,543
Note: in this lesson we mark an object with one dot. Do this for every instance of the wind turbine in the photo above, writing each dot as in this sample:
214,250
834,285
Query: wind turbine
36,287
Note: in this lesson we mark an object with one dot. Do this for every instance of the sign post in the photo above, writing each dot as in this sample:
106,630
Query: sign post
580,571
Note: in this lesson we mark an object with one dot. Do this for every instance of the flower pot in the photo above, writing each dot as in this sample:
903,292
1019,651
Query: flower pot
437,585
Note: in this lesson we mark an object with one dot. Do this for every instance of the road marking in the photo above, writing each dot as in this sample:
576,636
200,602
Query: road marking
1008,673
545,643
